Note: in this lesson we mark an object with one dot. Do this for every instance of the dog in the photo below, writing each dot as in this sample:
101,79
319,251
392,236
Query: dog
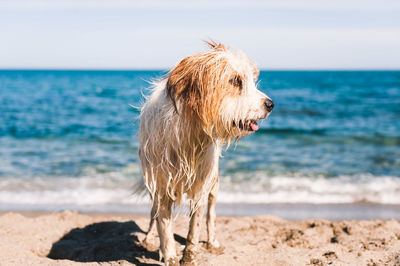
208,100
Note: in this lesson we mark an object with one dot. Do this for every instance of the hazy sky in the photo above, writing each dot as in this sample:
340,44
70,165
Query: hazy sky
122,34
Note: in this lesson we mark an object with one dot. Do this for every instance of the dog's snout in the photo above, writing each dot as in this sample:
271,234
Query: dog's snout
269,105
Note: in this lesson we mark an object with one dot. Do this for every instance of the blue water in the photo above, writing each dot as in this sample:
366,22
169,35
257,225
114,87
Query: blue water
69,138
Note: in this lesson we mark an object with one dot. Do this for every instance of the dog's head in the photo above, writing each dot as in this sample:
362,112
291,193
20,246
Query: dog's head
218,88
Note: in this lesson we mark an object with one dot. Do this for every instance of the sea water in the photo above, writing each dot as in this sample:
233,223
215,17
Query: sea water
68,139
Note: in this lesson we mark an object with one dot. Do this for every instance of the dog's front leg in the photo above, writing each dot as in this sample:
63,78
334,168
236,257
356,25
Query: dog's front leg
164,227
212,243
189,254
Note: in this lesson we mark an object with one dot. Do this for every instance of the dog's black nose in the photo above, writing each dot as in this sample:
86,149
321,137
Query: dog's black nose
269,105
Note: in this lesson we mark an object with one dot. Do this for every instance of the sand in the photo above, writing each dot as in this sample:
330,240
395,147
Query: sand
71,238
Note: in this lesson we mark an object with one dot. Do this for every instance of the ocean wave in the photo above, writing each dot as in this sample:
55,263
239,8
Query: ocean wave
116,189
329,136
110,189
317,190
291,131
381,140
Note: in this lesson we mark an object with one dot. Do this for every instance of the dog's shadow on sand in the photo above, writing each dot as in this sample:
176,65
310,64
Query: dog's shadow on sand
102,242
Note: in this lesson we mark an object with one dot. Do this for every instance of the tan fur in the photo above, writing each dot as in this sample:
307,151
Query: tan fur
184,123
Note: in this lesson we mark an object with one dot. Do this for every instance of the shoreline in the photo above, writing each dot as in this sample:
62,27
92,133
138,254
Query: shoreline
293,212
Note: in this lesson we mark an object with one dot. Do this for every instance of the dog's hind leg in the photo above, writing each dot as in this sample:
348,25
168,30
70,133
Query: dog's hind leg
189,254
164,227
150,239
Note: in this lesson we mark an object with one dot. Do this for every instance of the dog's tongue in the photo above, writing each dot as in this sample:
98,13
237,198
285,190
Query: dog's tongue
253,126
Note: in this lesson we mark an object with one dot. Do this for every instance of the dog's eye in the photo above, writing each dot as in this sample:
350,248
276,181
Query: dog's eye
236,81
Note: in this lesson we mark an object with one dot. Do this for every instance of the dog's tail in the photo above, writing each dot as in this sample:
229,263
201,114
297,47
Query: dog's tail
139,188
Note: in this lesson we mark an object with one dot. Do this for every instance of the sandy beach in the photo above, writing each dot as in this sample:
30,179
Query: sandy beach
72,238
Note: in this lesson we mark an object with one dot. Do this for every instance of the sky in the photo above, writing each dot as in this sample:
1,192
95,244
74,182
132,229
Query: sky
122,34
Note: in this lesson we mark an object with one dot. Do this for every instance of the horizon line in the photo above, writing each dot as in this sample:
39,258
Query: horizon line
166,70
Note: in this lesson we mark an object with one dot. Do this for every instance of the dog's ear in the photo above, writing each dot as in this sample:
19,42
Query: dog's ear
215,45
182,83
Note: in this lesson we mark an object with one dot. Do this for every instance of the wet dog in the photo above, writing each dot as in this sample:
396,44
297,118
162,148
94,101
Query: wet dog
208,100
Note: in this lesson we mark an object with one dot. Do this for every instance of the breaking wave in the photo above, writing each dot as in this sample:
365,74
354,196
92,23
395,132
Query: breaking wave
114,191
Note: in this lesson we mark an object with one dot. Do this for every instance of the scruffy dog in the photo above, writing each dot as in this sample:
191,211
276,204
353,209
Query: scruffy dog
209,99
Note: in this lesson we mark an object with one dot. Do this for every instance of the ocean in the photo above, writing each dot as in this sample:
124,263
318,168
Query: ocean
68,140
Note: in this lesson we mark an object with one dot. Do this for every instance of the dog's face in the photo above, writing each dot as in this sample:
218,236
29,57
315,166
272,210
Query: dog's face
218,87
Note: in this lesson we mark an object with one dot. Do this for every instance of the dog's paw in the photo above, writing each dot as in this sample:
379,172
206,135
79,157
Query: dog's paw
148,245
189,257
215,247
172,262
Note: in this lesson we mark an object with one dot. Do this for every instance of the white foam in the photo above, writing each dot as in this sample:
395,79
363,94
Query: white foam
111,188
116,189
299,189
